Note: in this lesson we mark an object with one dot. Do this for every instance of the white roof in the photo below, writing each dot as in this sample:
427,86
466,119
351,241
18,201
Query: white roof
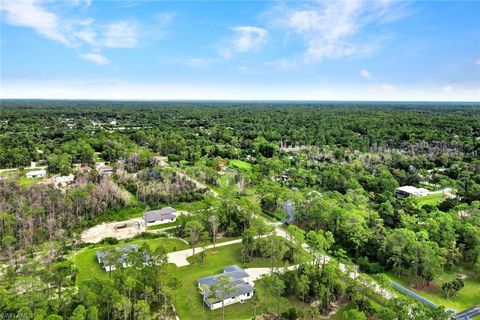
34,173
408,189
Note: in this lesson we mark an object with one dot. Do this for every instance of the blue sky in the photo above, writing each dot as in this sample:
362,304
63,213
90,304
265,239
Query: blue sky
279,50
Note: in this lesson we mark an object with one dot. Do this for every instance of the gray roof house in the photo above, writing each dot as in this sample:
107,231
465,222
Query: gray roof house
242,289
124,250
164,215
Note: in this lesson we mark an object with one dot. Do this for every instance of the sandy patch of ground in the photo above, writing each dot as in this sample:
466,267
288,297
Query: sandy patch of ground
111,229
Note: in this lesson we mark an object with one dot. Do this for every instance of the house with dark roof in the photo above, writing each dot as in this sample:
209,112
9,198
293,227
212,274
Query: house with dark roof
123,253
239,282
161,216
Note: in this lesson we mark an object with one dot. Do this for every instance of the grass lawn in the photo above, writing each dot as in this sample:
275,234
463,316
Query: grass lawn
165,225
88,266
26,182
188,302
468,296
432,199
239,164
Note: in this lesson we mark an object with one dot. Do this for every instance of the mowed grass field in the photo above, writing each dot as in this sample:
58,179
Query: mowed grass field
188,301
88,266
432,199
467,297
239,164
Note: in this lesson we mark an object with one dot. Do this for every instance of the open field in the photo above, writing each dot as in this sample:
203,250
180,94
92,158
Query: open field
163,226
188,301
88,266
239,164
432,199
468,296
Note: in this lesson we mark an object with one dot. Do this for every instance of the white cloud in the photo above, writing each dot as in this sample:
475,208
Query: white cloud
117,90
386,88
192,62
365,74
246,38
447,89
95,58
477,62
331,29
283,64
28,13
121,34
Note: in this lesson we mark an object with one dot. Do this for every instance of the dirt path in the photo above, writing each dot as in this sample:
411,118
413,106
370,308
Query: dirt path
197,183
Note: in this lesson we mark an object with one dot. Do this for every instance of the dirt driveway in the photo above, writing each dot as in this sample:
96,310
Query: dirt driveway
117,229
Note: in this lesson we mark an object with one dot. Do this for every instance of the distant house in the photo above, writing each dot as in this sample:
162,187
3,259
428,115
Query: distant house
104,169
36,174
85,169
64,180
164,215
407,191
124,251
239,280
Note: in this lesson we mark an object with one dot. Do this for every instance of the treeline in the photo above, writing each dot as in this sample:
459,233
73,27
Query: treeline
189,131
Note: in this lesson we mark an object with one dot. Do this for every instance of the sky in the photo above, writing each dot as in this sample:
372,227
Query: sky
240,50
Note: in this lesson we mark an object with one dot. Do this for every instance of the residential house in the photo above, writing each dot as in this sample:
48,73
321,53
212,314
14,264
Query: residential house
164,215
407,191
64,180
104,169
239,282
36,174
124,251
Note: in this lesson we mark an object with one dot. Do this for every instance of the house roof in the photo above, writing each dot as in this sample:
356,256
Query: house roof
239,287
101,255
158,215
412,190
234,272
236,276
32,173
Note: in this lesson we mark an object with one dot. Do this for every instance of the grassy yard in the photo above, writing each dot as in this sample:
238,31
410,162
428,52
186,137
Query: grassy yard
432,199
88,266
188,301
467,296
239,164
163,226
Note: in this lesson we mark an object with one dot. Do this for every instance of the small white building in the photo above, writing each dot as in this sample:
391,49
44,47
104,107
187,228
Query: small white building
239,282
36,174
64,180
162,216
104,169
407,191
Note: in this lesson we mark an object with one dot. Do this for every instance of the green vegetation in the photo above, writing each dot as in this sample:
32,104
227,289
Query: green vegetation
432,199
187,299
163,226
332,172
468,296
88,266
240,164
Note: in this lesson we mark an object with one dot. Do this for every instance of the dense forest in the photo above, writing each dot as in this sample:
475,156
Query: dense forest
338,164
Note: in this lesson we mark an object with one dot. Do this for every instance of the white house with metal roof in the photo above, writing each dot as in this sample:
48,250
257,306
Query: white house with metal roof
161,216
411,191
239,280
36,174
123,253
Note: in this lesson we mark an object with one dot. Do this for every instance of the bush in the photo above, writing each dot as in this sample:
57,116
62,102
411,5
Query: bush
369,267
292,314
109,240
